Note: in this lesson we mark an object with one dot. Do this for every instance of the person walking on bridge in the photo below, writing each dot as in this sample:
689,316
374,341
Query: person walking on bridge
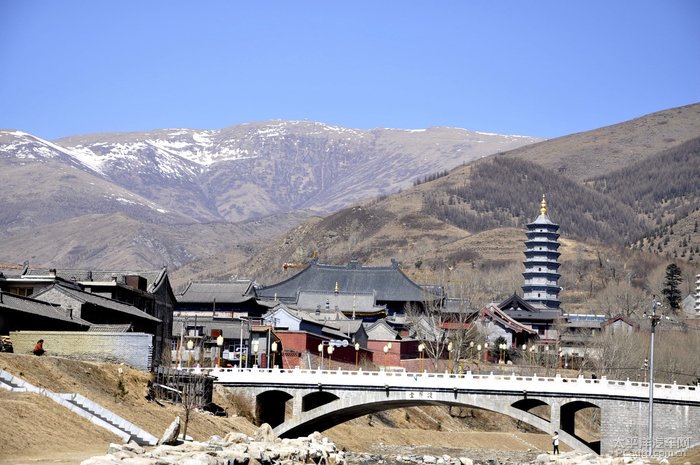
555,443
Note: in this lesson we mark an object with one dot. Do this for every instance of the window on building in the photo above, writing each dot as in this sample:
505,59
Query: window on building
22,291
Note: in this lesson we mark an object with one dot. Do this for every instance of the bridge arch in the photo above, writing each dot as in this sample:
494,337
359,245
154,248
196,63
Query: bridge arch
568,422
342,411
270,407
534,407
316,399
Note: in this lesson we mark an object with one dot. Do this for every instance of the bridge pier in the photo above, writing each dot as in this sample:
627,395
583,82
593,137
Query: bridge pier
554,417
297,403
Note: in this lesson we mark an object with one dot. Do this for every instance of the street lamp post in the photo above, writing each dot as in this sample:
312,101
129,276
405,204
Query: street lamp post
219,345
560,359
274,352
386,350
471,355
243,321
478,359
449,356
357,355
502,355
421,348
190,346
330,357
256,344
654,319
320,350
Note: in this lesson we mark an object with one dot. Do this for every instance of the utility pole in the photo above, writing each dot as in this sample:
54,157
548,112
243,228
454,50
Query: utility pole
654,318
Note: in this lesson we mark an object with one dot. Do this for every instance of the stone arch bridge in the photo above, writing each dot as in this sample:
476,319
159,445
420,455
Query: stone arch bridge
321,399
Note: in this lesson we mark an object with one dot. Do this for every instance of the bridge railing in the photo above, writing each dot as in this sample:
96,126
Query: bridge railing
445,380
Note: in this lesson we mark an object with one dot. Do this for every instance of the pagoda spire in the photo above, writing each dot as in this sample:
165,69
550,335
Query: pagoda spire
543,205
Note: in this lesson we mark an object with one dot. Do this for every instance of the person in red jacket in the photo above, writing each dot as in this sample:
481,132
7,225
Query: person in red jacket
39,348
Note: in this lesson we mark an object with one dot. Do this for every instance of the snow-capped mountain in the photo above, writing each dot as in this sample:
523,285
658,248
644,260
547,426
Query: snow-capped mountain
254,170
240,173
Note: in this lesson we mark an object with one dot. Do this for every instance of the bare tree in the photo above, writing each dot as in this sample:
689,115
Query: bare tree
427,324
617,354
189,403
622,298
444,329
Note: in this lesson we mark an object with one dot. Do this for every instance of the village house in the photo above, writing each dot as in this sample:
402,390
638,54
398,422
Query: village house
146,294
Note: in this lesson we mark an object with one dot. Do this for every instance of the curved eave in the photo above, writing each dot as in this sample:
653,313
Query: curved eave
530,255
542,242
546,263
542,287
540,229
543,274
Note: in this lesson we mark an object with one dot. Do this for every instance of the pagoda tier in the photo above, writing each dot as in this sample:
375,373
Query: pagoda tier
541,288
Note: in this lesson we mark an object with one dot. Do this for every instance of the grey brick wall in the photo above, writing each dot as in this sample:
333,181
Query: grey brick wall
132,349
625,428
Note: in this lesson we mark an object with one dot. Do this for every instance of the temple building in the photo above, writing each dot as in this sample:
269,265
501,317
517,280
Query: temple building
362,292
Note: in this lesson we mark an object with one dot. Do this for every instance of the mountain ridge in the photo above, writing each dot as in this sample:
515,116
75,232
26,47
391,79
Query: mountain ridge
253,172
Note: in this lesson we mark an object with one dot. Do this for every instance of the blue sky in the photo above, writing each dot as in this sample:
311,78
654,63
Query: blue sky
540,68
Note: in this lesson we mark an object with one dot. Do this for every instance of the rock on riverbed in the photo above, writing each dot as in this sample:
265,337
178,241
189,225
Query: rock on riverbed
264,449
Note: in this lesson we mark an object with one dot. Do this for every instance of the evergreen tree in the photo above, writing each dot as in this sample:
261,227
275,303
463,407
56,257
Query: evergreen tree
671,288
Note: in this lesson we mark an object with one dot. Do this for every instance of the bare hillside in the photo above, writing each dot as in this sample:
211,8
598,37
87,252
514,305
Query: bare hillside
594,153
39,429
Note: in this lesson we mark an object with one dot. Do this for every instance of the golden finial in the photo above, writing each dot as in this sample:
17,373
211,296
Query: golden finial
543,206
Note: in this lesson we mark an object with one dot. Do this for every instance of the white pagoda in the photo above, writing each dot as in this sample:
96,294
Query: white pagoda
541,288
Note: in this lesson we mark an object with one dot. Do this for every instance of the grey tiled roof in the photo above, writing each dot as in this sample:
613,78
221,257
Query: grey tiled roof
543,220
518,309
99,301
380,330
346,326
109,328
343,301
119,276
222,292
328,327
387,282
37,307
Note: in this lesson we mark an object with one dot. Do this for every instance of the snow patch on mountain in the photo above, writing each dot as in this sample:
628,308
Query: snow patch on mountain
32,147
